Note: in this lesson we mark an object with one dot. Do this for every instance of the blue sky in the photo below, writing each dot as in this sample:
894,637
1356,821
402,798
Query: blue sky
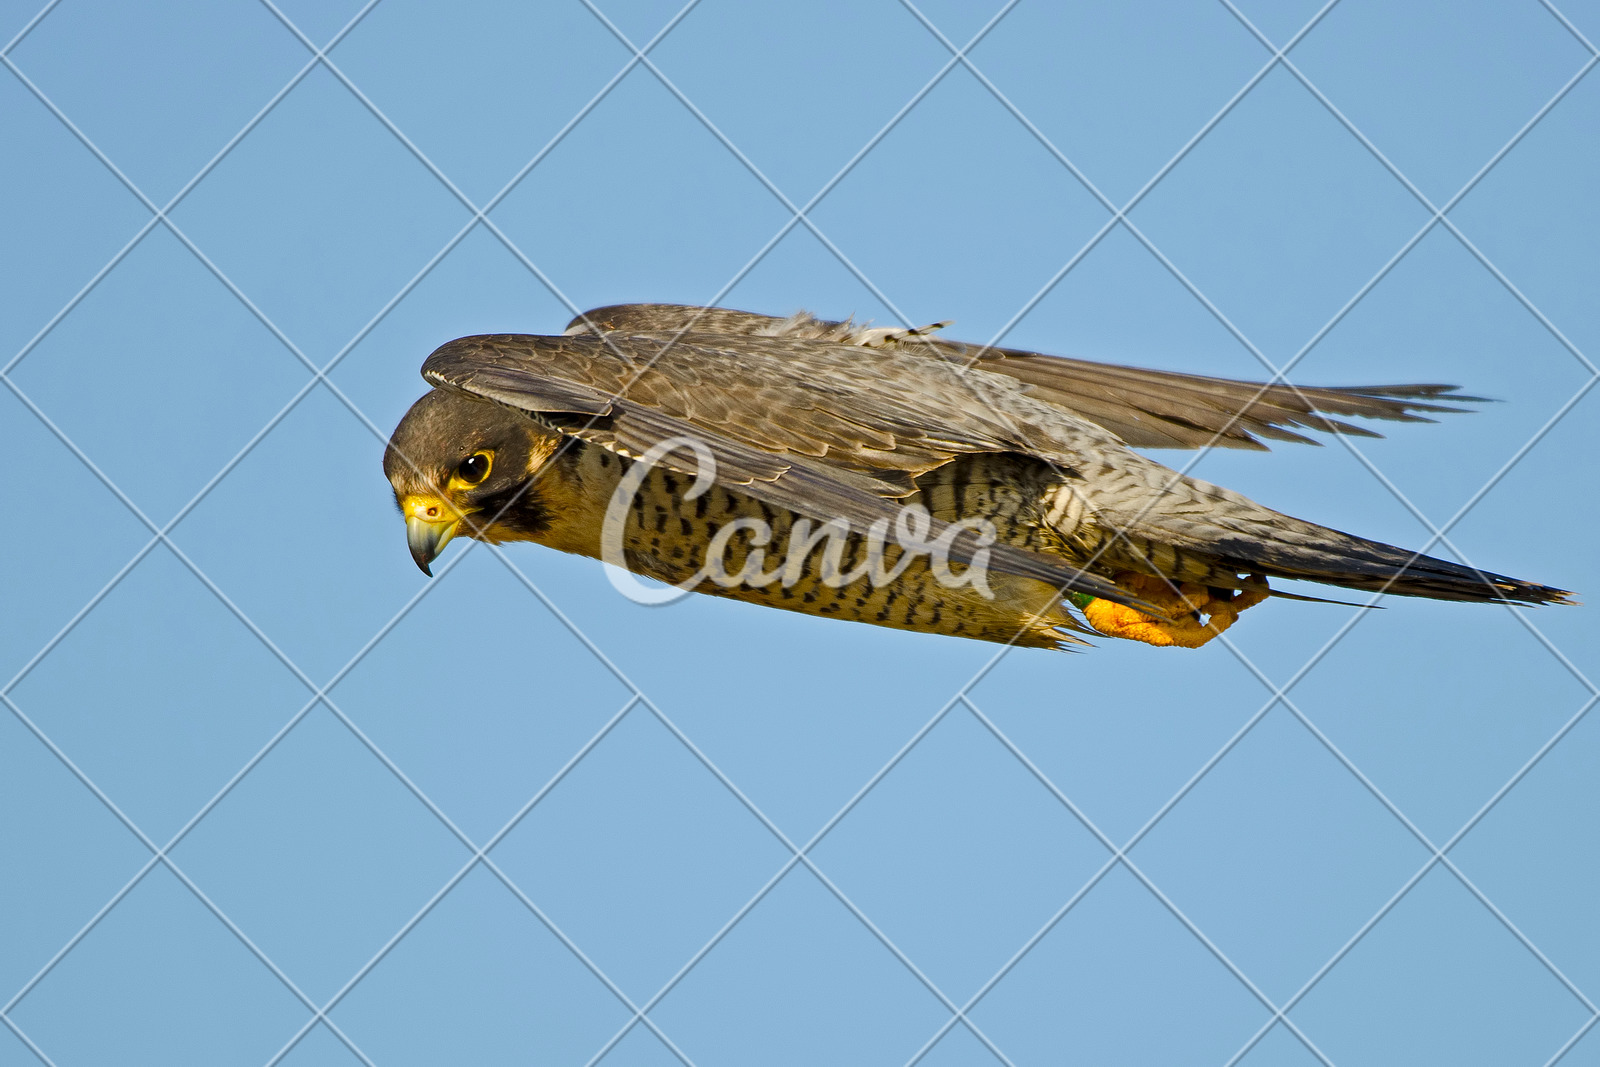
272,797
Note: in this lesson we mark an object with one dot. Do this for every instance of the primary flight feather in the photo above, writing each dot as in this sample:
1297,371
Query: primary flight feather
801,443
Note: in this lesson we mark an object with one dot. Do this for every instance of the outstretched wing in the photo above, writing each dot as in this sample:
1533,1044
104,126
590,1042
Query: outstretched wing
791,422
1145,408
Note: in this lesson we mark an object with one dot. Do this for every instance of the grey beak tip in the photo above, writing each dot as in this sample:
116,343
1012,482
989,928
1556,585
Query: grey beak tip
426,540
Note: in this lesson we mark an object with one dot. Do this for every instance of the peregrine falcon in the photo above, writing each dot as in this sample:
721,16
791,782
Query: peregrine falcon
698,445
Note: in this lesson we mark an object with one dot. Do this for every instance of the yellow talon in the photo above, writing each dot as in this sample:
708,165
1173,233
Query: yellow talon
1185,607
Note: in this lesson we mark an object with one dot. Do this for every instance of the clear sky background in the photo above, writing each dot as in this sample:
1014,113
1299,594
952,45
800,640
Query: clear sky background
270,796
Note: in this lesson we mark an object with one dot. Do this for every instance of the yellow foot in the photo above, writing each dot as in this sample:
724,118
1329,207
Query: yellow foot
1185,607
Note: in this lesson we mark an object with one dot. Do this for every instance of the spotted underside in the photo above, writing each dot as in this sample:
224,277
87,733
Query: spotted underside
667,536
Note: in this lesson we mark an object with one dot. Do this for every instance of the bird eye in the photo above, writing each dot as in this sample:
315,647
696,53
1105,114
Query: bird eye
474,469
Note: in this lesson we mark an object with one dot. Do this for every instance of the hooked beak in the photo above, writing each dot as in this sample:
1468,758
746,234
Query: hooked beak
427,539
429,527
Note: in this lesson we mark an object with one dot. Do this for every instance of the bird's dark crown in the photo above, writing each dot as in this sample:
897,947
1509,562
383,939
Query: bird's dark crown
443,430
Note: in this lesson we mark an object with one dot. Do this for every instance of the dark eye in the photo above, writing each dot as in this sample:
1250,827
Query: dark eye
474,469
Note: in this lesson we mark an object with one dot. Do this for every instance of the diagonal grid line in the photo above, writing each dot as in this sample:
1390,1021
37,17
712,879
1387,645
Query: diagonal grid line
1279,695
799,856
28,27
26,1040
1278,373
158,856
480,214
1418,235
1437,215
726,782
800,214
319,375
237,293
1116,851
1440,856
158,215
160,537
1118,214
283,730
480,856
1566,24
1438,853
227,787
796,219
1119,856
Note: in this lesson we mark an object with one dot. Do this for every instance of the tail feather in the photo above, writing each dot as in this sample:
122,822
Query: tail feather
1320,554
1280,594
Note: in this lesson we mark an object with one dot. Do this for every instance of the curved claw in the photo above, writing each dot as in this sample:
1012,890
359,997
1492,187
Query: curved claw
1185,607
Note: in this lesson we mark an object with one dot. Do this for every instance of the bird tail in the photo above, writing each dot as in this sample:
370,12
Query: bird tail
1292,548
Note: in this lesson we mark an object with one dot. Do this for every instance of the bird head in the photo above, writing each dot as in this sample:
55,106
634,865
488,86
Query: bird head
460,465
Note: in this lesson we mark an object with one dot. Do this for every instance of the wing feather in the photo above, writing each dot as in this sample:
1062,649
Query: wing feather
1145,408
780,395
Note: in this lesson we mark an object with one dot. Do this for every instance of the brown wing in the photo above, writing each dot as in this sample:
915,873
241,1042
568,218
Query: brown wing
878,414
1145,408
794,423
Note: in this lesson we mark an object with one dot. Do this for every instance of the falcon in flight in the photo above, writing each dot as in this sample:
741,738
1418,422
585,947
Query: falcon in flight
888,476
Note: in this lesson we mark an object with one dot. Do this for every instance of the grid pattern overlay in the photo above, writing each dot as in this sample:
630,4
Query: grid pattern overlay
274,802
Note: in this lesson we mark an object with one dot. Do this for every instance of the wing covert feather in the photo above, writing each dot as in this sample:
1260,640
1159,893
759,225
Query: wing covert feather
1145,408
785,396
